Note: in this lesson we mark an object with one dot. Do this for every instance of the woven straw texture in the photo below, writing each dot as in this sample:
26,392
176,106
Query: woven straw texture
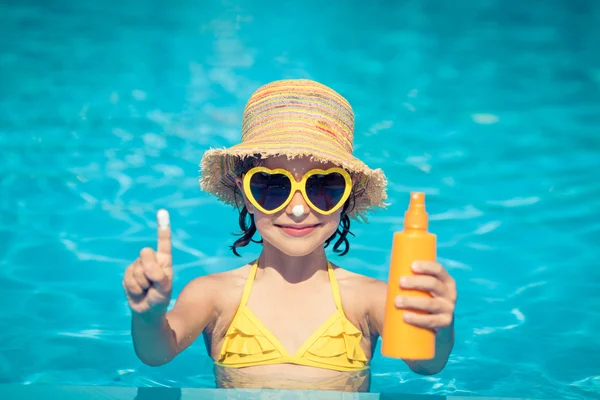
295,118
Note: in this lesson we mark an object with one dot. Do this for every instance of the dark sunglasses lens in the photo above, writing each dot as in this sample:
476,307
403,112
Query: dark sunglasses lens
270,191
325,191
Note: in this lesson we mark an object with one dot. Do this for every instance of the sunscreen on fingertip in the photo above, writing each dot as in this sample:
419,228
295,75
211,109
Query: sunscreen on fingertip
163,218
399,338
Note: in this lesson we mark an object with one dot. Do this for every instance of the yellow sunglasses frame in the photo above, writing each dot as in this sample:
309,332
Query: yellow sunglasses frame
297,186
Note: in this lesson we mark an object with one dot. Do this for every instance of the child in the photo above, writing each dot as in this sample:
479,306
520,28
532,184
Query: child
291,318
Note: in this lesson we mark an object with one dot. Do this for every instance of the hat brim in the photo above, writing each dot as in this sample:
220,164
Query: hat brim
217,174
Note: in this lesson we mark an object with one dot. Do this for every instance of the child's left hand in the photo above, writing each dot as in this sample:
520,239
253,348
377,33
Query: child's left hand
433,278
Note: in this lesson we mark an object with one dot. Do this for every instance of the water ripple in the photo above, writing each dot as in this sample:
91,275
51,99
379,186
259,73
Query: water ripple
490,110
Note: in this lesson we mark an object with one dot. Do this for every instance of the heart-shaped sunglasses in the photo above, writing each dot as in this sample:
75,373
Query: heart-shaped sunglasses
271,190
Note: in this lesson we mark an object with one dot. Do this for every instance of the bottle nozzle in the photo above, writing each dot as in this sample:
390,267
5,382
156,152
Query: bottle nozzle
417,199
416,216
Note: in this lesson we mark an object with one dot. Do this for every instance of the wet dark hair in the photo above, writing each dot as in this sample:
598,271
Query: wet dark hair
248,227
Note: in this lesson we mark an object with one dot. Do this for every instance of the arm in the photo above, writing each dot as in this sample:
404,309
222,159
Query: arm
159,336
444,342
157,339
440,307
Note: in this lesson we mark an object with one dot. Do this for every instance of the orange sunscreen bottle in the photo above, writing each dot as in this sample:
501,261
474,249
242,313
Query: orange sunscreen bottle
400,339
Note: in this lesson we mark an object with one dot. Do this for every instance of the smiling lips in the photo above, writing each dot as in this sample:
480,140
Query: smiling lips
297,230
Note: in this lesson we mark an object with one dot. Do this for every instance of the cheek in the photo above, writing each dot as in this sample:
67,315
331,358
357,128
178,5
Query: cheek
332,221
262,220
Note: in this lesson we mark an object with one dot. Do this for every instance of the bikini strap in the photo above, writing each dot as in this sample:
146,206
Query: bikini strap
248,285
335,288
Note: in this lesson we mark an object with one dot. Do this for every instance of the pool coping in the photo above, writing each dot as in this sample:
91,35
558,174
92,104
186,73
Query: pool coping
67,392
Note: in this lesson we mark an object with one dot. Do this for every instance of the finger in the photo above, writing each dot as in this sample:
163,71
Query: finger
431,268
168,273
163,285
140,277
426,304
152,270
435,269
130,284
428,321
164,232
160,277
150,264
424,283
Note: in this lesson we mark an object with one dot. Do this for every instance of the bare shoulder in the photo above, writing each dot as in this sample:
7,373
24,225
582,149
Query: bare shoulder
363,297
214,291
359,283
201,303
216,287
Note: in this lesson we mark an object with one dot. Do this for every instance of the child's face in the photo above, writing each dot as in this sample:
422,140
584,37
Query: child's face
278,229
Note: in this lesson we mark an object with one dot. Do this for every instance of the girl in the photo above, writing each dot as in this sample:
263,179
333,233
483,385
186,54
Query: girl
291,318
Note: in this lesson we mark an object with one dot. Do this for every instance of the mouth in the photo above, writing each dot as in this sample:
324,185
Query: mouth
297,230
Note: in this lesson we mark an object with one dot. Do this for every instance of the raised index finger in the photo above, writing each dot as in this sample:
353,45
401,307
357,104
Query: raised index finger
164,232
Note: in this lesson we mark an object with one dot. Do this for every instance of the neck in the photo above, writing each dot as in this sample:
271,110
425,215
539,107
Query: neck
292,269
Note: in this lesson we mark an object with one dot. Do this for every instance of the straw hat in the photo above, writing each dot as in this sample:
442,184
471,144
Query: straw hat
295,118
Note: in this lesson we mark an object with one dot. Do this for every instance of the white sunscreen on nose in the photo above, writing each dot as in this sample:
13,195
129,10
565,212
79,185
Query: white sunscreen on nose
298,210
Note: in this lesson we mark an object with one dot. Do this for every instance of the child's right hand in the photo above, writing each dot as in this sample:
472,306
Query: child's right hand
148,280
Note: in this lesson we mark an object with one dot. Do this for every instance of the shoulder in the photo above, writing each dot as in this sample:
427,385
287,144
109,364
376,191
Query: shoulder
358,283
362,296
222,278
216,286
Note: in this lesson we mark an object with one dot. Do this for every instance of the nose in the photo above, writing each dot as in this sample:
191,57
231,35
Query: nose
297,200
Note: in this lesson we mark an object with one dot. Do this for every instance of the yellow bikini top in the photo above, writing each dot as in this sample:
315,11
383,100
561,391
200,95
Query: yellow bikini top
335,345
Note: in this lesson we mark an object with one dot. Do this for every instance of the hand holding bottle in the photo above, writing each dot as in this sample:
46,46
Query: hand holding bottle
436,311
421,294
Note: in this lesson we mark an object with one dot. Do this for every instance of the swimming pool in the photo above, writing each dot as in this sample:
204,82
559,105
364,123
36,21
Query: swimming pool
493,111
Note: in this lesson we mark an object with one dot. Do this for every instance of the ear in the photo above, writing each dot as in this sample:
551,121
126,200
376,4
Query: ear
240,186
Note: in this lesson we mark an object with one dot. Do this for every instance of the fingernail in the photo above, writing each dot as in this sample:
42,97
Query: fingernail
399,301
403,281
163,218
416,266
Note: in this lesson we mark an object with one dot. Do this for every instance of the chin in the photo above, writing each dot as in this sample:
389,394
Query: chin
294,247
293,250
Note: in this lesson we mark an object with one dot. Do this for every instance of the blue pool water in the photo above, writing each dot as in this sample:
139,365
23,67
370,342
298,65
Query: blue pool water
491,107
